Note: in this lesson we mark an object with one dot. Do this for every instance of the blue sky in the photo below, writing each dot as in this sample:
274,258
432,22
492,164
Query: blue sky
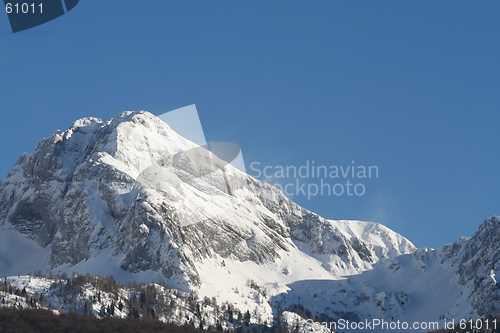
411,87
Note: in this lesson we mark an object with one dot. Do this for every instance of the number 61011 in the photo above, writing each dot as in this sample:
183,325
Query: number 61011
24,8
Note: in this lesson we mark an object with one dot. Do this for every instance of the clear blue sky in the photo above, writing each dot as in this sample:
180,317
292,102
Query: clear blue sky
412,87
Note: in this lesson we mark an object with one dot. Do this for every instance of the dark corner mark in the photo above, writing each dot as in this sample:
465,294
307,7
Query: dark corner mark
26,14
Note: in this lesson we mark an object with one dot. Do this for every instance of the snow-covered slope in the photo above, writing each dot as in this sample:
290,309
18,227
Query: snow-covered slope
455,282
131,198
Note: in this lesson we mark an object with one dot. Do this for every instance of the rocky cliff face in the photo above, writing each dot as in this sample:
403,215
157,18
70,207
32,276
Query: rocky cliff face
478,266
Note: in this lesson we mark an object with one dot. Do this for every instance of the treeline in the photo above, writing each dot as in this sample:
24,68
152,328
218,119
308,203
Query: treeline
98,298
42,321
21,297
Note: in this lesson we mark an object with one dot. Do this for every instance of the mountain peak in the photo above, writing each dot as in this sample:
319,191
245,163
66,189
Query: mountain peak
85,122
491,223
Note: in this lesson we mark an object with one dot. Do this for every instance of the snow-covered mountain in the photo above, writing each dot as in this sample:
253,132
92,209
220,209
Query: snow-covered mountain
131,198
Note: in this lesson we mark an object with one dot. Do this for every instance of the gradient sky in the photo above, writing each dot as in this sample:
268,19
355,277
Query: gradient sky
411,87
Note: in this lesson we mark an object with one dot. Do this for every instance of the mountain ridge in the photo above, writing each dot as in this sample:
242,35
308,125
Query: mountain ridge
131,198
